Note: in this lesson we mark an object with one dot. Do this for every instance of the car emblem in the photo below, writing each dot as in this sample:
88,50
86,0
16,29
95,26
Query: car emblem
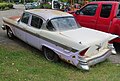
98,47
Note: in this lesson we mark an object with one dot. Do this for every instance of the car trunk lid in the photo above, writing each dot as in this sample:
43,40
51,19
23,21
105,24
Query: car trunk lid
87,36
95,41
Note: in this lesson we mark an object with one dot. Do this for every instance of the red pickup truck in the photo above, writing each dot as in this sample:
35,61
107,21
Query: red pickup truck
100,15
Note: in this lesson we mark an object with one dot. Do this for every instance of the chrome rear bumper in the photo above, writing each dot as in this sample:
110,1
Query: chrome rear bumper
85,64
99,59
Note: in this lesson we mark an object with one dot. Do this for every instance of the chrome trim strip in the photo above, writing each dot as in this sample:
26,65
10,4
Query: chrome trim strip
44,38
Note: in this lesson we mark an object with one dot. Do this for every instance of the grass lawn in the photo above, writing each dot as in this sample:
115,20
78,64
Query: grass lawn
21,64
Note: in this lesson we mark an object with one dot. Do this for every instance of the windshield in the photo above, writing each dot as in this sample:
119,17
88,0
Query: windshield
65,23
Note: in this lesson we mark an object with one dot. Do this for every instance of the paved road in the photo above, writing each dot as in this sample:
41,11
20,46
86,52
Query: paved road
18,11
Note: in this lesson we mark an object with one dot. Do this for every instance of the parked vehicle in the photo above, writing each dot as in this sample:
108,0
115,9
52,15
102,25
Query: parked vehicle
58,35
31,5
55,4
100,15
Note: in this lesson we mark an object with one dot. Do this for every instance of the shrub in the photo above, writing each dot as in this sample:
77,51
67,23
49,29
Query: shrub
46,6
4,6
1,0
28,1
10,5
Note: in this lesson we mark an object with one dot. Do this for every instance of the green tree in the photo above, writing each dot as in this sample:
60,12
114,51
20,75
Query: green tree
1,0
64,0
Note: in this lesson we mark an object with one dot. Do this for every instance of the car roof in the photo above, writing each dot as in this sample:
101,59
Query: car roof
104,2
48,13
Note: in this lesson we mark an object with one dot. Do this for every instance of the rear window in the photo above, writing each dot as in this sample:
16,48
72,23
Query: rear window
106,10
64,23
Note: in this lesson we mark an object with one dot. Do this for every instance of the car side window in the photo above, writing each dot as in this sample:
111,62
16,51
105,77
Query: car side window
36,22
106,10
89,10
50,26
25,18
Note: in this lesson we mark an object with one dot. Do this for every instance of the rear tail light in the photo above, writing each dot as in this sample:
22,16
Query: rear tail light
82,53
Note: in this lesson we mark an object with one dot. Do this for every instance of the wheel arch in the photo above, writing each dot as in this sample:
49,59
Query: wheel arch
49,47
46,46
8,27
56,57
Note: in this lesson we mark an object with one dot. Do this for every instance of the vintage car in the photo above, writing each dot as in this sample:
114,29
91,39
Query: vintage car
58,35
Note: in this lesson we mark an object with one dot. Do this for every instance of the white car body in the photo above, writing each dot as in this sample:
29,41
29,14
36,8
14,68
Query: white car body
66,44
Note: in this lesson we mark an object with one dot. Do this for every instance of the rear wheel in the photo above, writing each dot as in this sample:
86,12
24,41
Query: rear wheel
50,55
117,45
10,33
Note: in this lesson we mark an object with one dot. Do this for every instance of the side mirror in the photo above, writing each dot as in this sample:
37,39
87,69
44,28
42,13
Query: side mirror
77,12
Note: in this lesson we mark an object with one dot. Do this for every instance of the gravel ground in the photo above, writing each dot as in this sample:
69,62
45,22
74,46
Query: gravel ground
18,11
7,13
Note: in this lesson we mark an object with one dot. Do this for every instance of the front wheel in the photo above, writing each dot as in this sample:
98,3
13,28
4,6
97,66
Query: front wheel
50,55
10,33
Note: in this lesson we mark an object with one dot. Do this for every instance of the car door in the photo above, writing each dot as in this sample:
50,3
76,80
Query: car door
87,16
33,37
105,17
20,31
